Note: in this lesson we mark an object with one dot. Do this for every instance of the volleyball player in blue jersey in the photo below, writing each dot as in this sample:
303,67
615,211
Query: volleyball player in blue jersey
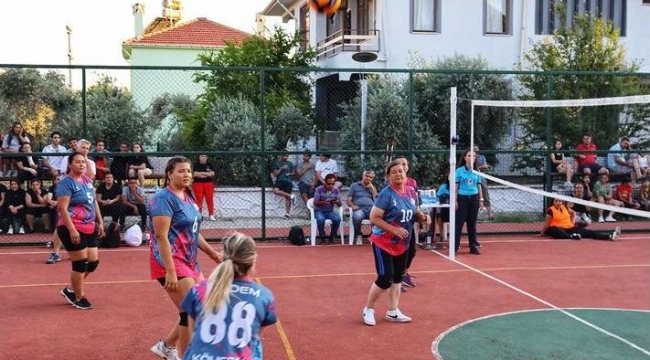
392,216
228,310
468,200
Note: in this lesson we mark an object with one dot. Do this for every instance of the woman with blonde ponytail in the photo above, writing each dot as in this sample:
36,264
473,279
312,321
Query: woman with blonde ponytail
227,311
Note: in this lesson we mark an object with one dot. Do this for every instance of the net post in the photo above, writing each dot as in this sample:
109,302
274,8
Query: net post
453,140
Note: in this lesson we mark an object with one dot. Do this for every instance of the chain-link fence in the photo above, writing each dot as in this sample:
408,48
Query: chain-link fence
239,117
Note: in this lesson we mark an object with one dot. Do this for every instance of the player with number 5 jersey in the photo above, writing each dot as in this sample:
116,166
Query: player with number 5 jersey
228,310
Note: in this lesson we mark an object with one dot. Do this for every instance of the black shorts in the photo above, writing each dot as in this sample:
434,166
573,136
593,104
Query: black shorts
443,214
161,280
86,240
37,212
286,186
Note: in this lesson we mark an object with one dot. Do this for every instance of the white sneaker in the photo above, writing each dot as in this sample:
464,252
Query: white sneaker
165,352
293,199
600,219
585,218
21,230
610,219
369,316
212,218
397,316
614,236
359,240
10,231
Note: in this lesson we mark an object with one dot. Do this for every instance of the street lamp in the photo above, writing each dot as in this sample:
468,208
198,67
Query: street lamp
364,57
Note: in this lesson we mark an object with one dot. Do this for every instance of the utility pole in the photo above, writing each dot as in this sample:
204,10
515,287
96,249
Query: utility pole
68,29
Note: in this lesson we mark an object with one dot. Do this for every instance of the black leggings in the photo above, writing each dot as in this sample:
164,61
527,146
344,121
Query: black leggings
390,268
560,233
412,249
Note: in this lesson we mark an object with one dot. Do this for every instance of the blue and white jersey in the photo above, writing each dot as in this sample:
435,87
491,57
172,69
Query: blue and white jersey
233,331
467,181
399,210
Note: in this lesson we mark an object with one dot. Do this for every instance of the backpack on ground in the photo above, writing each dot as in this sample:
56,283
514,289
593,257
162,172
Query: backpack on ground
112,237
296,236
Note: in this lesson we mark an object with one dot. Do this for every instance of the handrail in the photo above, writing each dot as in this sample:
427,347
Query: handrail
348,40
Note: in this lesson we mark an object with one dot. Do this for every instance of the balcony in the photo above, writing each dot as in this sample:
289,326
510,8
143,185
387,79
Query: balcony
352,40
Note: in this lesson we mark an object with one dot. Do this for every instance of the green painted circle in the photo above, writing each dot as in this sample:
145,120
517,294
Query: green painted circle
549,335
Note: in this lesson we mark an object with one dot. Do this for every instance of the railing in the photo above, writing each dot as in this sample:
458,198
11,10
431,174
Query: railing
348,40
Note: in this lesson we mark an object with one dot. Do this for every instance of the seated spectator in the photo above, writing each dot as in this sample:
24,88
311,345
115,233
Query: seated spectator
83,147
119,165
588,161
560,163
72,145
582,211
325,166
11,143
98,155
50,198
325,198
361,198
3,194
624,195
138,165
623,163
589,186
483,166
644,195
54,164
306,177
604,194
109,196
36,206
644,165
27,166
283,170
15,208
133,203
560,224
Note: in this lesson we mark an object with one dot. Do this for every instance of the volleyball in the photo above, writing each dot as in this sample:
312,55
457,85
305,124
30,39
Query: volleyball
327,7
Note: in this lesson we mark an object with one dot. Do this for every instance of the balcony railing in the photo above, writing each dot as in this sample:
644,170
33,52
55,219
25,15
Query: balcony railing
354,40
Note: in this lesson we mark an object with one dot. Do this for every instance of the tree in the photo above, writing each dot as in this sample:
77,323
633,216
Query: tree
588,45
282,88
167,111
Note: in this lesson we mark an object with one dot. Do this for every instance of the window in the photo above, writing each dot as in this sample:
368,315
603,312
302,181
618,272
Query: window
304,27
425,15
547,20
647,2
497,15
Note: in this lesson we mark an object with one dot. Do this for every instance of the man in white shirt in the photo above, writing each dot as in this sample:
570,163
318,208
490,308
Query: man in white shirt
55,164
325,166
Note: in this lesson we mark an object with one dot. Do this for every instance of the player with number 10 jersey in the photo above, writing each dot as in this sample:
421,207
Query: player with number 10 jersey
399,210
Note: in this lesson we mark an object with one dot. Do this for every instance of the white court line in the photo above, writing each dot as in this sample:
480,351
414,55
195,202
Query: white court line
544,302
436,342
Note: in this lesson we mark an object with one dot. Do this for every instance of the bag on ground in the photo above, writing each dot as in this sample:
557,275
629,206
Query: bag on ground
112,237
133,236
296,236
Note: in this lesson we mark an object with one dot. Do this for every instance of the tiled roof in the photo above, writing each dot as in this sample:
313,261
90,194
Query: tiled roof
198,32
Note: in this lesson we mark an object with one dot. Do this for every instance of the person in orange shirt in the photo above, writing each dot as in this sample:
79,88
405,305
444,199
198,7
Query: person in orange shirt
560,224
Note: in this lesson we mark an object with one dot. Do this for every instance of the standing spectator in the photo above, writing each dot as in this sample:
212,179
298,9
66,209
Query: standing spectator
559,163
173,261
203,184
98,155
36,206
392,217
325,198
644,195
361,198
119,165
15,207
80,223
230,291
483,166
560,224
604,194
11,143
588,161
51,199
325,166
306,177
109,196
623,163
54,163
138,165
133,203
283,170
468,200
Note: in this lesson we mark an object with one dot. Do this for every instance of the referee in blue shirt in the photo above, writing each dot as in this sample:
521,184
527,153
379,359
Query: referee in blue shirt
469,198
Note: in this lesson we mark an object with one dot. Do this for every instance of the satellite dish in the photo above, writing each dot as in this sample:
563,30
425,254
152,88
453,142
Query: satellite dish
364,57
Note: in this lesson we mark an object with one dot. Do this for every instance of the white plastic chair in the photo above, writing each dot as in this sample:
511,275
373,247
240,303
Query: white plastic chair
314,225
351,226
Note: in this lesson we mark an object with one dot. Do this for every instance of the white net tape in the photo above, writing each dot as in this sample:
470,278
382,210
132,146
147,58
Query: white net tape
623,100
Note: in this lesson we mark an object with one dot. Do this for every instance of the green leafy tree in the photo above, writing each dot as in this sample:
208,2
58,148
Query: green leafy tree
281,88
235,126
167,111
589,45
387,120
432,92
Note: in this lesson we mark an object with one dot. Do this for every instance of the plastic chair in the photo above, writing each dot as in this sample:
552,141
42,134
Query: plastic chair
314,226
351,226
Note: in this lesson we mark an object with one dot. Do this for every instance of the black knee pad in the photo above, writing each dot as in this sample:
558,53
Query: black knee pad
80,266
383,282
92,265
182,321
